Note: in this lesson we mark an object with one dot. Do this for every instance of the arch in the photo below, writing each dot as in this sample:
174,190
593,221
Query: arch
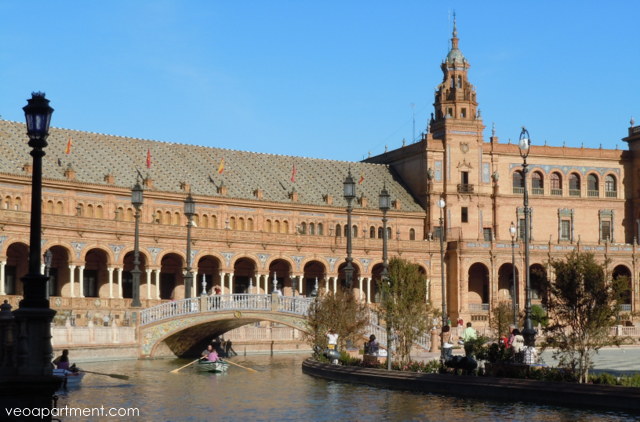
285,227
356,274
171,276
517,181
176,219
243,269
204,221
312,229
574,184
537,280
267,226
622,271
207,268
372,232
537,183
354,231
87,248
479,289
95,277
376,279
48,207
412,234
311,270
379,232
127,277
320,229
59,207
505,282
276,226
610,186
99,211
593,185
6,204
58,284
17,266
250,224
90,213
167,218
338,230
556,183
303,228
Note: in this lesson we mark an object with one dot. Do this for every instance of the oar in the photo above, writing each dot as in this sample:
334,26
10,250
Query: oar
243,367
175,371
122,377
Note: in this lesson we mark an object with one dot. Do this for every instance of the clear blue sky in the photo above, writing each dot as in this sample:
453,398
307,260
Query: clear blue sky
330,79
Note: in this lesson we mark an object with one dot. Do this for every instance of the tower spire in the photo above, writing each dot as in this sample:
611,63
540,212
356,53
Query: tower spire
454,38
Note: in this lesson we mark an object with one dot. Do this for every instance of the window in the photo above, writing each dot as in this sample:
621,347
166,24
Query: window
450,112
320,229
537,183
518,182
312,229
487,234
565,230
303,228
556,184
605,230
574,184
610,187
521,229
388,233
379,232
463,113
412,234
459,81
338,230
464,214
592,186
464,177
354,231
372,232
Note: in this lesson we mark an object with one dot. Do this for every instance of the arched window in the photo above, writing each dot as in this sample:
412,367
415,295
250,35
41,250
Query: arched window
518,182
459,81
59,207
205,221
276,226
379,232
167,217
99,210
372,232
176,218
48,207
338,230
158,215
213,223
303,228
320,229
250,224
7,203
196,220
537,183
610,187
556,184
232,223
412,234
17,203
285,227
129,215
312,229
241,223
354,231
389,233
267,226
592,185
89,210
345,230
574,184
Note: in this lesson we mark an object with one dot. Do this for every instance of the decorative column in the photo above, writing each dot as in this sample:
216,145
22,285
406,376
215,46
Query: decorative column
360,288
2,282
369,290
110,270
335,284
81,280
156,273
119,270
148,280
72,282
301,284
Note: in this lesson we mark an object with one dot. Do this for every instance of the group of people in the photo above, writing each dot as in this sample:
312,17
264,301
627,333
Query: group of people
525,354
217,349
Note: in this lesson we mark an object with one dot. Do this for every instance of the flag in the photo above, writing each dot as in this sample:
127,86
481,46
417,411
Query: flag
221,166
68,150
148,158
361,178
293,174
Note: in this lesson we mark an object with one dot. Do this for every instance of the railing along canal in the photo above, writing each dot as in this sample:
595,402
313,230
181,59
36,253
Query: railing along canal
236,302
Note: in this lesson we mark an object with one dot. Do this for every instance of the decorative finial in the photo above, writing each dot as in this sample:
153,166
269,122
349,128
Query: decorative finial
493,129
632,121
386,148
404,142
455,27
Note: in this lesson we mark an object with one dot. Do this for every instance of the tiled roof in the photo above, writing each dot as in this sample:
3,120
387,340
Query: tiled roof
95,155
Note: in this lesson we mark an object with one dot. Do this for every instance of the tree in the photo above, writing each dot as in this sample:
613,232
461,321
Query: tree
342,313
403,304
501,318
583,304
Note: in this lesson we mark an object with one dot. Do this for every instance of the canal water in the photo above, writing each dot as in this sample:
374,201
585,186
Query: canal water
279,391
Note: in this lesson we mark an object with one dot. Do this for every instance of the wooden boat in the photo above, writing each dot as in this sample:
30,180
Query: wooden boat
71,379
208,366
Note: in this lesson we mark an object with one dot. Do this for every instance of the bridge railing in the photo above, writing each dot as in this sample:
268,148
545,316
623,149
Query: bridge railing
170,310
294,305
241,302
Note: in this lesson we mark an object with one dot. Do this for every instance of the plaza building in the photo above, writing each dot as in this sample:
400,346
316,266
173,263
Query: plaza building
266,222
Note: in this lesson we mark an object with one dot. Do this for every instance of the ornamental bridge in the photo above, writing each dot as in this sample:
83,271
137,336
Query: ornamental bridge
184,326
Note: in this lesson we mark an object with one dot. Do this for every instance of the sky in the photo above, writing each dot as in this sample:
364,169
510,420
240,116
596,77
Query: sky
330,79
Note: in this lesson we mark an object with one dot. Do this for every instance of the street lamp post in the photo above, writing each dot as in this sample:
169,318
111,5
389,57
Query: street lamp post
48,257
349,195
529,333
514,287
442,204
385,205
189,211
137,199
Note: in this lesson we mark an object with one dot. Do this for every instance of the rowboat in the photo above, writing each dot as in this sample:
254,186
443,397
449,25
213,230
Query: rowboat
71,379
208,366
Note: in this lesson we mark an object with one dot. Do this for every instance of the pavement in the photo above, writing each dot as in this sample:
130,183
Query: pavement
611,359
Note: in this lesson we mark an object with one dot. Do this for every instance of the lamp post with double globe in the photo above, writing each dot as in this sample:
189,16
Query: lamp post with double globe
529,333
349,195
442,204
514,286
385,204
137,199
189,212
